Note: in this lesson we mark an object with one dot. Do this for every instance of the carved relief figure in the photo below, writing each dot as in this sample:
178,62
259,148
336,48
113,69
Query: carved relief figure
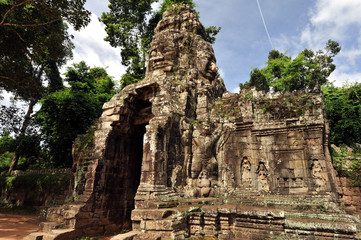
157,60
213,67
318,175
204,185
262,177
246,175
203,157
186,141
175,176
228,178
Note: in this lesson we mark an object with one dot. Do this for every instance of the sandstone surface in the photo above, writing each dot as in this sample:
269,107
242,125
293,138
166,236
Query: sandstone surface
177,156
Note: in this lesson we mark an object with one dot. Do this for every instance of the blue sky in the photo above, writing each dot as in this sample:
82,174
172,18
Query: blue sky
243,43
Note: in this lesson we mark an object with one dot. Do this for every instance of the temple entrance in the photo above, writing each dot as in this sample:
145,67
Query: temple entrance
123,154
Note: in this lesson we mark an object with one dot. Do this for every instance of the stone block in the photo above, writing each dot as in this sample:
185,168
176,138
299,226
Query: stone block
158,225
351,191
148,128
299,172
151,214
35,236
297,165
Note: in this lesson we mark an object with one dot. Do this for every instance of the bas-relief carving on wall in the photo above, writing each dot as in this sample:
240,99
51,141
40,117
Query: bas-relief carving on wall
246,172
262,173
318,175
187,152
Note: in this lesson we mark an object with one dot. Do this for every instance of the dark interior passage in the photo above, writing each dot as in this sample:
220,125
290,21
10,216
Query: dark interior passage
123,162
123,169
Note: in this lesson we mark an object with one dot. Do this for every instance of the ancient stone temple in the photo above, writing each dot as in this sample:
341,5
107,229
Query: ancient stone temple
176,156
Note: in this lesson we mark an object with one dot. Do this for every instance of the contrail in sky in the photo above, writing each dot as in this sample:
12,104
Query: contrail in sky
264,24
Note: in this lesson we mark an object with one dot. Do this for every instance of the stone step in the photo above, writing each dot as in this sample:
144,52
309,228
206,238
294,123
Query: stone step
126,236
74,207
64,213
170,204
35,236
64,234
58,234
345,218
320,226
49,226
157,225
41,236
70,214
152,214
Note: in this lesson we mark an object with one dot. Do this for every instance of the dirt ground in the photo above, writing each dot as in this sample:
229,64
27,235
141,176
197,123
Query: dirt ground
13,227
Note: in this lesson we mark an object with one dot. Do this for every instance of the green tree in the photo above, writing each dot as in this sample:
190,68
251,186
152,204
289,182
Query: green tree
128,27
10,119
33,38
66,113
343,107
33,44
306,71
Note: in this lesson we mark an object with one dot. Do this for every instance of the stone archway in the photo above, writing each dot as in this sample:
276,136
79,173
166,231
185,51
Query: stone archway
123,158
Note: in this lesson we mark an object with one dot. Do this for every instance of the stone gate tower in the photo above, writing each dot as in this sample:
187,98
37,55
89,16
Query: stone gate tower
176,155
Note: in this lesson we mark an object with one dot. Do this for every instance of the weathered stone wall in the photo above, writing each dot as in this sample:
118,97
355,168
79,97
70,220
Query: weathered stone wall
350,196
36,188
172,151
276,143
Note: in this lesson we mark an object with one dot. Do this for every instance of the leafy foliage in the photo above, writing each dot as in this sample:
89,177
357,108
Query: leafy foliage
343,106
71,111
168,3
306,71
10,119
126,26
34,43
27,147
34,38
348,164
211,32
35,185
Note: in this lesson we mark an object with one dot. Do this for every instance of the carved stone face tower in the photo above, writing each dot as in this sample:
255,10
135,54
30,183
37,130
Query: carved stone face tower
178,138
144,140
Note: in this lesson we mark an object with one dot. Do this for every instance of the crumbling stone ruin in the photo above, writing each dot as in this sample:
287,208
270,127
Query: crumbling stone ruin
177,156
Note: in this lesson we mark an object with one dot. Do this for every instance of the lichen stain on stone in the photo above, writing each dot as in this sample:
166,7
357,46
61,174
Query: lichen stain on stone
178,139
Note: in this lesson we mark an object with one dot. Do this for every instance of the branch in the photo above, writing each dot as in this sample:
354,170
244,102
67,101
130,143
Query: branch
17,34
23,25
12,8
30,24
4,77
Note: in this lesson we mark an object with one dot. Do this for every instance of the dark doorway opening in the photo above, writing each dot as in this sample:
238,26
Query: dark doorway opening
124,155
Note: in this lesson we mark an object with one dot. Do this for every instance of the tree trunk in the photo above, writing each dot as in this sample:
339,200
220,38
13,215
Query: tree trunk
14,161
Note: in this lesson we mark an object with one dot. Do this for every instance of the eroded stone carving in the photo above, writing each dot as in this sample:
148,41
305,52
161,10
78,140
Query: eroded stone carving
318,175
204,184
178,138
262,173
246,172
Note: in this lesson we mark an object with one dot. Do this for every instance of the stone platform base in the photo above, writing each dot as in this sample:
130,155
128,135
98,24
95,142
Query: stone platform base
202,221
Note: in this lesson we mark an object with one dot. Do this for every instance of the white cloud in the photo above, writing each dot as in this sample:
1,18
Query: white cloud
91,48
236,90
156,5
331,19
337,13
341,78
6,97
351,55
221,73
336,20
340,21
